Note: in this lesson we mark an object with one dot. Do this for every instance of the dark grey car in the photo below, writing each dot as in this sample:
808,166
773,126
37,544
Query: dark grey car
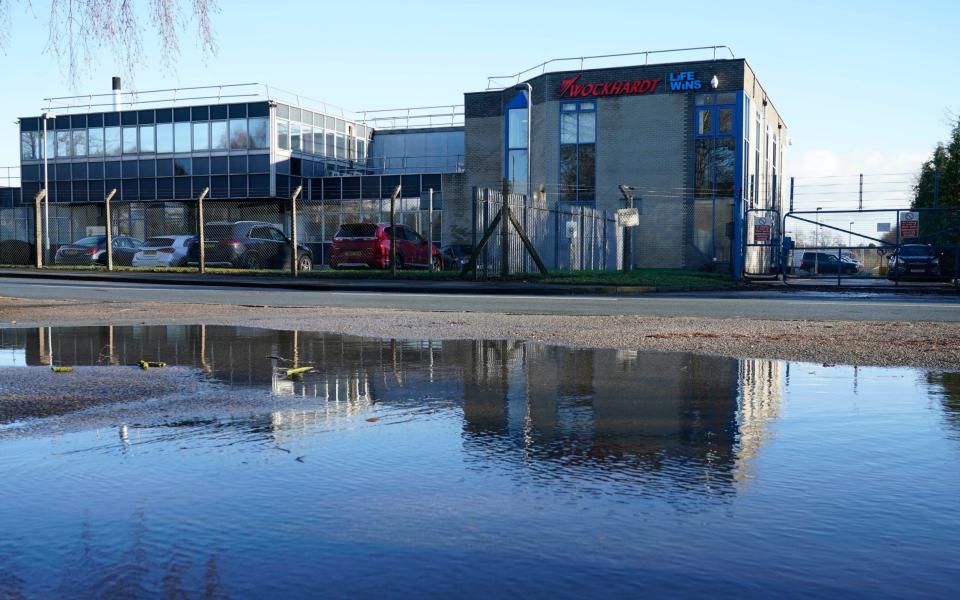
248,245
92,250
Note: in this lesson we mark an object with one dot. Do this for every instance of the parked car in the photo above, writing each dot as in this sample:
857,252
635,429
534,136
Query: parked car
827,262
164,251
248,245
92,250
368,245
456,256
914,261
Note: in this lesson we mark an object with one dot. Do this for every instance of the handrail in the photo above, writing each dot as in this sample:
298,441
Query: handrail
645,53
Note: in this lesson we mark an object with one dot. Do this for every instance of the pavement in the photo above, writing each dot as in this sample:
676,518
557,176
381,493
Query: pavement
775,304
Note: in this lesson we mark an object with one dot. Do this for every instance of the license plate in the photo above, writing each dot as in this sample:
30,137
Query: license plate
71,252
917,270
352,253
149,252
210,244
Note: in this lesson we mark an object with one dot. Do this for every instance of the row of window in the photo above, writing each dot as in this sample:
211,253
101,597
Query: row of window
162,138
319,121
216,112
304,138
160,188
163,167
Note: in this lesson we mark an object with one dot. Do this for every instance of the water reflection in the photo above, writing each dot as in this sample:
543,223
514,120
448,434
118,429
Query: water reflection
547,411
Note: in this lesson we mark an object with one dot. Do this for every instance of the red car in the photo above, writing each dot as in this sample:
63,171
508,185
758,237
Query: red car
368,245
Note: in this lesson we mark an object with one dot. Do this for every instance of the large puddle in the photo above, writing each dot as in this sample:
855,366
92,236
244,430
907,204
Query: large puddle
471,468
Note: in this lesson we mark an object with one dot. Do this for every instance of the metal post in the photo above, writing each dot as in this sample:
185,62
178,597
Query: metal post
294,249
582,240
393,232
430,227
861,191
109,219
38,228
46,196
839,265
627,232
504,230
791,194
202,265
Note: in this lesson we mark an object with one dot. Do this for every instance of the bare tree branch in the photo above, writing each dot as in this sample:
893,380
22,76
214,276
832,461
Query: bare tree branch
79,29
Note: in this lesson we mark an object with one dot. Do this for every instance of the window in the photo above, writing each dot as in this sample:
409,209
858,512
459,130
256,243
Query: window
295,137
147,142
341,147
95,141
578,136
50,148
219,139
182,166
307,137
331,153
181,137
164,138
64,144
112,142
517,167
705,126
201,136
283,135
29,145
239,140
259,133
726,120
715,180
79,142
130,140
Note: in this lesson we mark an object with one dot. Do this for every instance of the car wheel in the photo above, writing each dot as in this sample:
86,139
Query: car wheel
304,263
251,260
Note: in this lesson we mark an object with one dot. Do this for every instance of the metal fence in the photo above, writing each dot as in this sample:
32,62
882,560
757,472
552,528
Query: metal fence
900,246
566,237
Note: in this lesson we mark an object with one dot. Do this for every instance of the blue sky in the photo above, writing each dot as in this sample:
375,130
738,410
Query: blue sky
863,86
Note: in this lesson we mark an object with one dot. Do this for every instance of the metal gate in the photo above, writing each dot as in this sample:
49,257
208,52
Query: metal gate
762,243
872,247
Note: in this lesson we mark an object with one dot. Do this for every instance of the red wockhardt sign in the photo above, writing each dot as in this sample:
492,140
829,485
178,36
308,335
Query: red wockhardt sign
569,88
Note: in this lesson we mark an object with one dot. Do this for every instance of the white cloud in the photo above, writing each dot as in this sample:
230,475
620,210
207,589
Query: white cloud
827,163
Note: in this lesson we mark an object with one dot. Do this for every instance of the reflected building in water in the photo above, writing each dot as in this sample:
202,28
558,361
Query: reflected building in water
592,410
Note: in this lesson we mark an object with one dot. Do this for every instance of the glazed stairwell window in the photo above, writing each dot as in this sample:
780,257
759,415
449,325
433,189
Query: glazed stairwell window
578,152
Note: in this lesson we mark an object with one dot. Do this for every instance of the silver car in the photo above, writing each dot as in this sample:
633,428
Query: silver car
164,251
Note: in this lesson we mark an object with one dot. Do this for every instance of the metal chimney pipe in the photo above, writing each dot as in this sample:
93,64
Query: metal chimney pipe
117,100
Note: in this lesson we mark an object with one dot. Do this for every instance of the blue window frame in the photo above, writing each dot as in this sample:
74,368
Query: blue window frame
578,151
517,154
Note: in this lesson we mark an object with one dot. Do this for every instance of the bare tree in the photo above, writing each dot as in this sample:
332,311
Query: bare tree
79,29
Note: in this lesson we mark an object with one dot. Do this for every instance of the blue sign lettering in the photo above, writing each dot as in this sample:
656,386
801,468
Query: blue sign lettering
684,81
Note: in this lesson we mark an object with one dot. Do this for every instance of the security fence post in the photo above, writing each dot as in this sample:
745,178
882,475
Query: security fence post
627,232
430,227
202,258
582,239
38,228
504,230
294,249
109,219
393,232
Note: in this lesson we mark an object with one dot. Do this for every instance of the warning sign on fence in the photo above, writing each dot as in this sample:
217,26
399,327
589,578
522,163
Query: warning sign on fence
909,225
628,217
762,229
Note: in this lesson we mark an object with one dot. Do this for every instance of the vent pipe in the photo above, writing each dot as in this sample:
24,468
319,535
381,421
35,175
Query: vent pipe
117,101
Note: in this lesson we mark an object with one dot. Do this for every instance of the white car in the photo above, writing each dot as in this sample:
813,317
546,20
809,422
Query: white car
164,251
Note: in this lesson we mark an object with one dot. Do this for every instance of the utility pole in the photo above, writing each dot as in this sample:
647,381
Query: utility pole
504,231
393,232
109,220
627,192
294,249
38,228
791,194
861,191
202,265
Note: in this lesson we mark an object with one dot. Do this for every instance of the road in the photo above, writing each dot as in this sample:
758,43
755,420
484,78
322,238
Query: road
774,305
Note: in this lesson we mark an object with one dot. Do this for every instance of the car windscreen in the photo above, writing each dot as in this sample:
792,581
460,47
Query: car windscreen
158,242
915,251
218,232
90,241
357,231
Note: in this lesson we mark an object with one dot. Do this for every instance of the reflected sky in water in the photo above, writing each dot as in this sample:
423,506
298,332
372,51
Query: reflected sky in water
477,468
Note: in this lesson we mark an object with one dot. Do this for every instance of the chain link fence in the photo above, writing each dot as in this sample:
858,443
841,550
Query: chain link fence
566,237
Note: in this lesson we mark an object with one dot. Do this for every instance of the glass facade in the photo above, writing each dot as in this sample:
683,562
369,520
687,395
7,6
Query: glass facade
715,179
342,146
578,151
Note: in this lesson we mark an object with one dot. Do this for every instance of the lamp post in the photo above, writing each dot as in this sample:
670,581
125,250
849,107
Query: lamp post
817,232
46,192
850,235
